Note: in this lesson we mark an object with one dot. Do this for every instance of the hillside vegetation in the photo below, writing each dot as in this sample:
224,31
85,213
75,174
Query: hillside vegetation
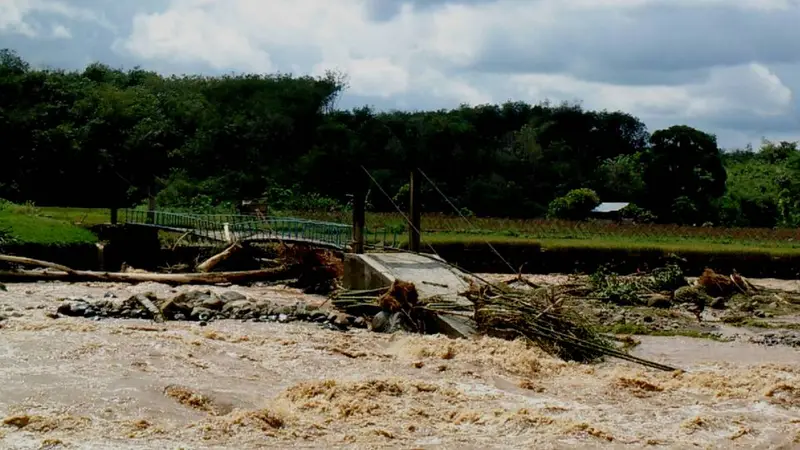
105,138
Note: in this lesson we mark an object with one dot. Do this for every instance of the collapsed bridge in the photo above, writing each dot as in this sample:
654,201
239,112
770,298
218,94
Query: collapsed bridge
229,228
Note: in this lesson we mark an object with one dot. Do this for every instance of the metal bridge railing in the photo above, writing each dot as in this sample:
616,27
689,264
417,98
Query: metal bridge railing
255,228
273,228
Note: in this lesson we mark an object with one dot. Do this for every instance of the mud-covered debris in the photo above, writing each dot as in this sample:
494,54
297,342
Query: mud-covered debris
47,424
718,303
389,322
231,296
692,294
19,421
401,296
193,399
318,270
788,338
202,307
149,306
73,307
718,285
658,301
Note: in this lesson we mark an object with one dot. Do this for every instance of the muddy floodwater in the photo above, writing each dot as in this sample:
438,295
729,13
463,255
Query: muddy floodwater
77,383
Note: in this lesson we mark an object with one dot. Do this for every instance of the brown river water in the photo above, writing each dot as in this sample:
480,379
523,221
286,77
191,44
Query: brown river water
133,384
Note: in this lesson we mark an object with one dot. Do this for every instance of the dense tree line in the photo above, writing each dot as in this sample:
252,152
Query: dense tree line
108,137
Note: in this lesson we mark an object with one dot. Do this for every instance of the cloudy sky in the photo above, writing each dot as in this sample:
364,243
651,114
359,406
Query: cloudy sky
730,67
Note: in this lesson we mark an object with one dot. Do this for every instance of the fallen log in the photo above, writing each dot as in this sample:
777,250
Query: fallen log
272,274
211,262
35,262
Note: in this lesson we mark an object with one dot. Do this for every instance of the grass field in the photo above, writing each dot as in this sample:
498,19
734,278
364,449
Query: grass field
26,225
610,242
77,216
441,229
56,224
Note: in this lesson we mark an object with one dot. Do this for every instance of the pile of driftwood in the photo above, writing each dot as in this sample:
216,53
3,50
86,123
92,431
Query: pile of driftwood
533,313
58,272
718,285
313,269
540,316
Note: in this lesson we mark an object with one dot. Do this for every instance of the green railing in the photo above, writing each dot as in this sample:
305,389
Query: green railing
271,228
382,238
258,228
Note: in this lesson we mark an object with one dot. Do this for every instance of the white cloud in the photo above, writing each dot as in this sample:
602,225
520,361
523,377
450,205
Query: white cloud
15,16
378,77
61,32
727,66
195,35
751,87
381,59
12,18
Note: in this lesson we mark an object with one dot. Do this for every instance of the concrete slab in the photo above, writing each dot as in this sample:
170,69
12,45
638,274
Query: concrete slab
363,272
430,275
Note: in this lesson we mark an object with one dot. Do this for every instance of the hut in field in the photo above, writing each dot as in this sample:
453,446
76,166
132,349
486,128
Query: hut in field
608,212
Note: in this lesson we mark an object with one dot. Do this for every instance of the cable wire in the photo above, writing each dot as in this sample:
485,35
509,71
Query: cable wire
486,241
410,224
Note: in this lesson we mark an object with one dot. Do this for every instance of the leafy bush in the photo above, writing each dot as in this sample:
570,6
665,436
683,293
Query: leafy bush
637,214
466,212
609,288
284,199
576,205
668,278
685,211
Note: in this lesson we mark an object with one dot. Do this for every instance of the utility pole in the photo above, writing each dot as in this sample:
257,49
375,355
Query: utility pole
414,213
359,220
151,205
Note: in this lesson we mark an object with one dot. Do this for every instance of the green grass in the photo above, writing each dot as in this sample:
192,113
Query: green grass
555,235
600,242
551,234
25,228
77,216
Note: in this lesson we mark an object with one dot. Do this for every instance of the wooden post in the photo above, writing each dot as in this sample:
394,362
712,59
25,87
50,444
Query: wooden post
114,216
359,220
414,214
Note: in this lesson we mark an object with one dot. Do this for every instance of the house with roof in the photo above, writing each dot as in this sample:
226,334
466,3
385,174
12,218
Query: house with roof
608,211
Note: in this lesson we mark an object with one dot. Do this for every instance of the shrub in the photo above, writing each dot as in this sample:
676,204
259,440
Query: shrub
637,214
576,205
